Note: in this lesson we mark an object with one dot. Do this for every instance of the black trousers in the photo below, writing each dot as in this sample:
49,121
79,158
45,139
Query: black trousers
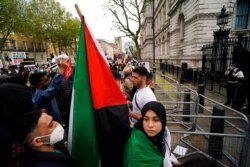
248,95
230,91
239,97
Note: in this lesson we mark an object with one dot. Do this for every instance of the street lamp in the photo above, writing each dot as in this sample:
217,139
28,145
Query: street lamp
222,19
221,38
153,25
219,49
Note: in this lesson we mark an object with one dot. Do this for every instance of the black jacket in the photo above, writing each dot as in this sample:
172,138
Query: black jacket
47,159
15,100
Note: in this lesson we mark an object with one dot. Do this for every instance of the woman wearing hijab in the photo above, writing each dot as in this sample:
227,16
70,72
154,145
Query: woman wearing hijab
149,143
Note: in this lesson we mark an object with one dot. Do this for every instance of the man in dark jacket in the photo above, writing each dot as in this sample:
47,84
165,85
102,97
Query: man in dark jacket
63,98
40,134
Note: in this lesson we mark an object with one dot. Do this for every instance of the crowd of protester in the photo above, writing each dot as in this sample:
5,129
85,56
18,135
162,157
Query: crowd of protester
35,106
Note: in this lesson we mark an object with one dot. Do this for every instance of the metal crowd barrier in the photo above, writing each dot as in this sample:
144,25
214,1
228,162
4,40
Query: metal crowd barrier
212,130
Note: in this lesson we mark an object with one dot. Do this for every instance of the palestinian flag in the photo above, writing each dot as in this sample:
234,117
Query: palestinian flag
99,124
53,68
69,70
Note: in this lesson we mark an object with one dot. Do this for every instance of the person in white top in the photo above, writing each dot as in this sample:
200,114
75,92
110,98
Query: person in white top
143,95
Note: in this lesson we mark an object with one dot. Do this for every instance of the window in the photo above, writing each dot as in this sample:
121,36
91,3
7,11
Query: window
40,46
160,15
14,45
242,14
168,42
181,25
33,46
24,45
163,46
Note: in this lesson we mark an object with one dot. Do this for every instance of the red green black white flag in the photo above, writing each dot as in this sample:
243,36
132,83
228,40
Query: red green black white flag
99,123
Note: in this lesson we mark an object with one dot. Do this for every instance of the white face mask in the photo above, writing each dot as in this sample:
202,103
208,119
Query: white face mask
56,136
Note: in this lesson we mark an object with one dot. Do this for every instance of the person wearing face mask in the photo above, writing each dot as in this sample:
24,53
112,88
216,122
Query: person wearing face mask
149,143
39,133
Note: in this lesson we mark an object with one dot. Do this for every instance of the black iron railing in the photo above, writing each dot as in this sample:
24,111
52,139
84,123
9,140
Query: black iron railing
218,55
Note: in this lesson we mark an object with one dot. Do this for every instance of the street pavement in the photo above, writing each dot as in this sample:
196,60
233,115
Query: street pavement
218,99
216,95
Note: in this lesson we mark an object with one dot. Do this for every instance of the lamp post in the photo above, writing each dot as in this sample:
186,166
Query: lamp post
153,25
221,37
222,19
219,46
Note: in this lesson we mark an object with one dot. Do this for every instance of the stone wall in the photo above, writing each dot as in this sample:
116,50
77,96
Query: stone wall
199,23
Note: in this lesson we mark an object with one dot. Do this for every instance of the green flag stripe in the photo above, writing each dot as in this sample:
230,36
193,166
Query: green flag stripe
84,141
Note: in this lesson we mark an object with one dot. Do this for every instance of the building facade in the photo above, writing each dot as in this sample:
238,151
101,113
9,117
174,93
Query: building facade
182,27
19,47
110,49
107,48
146,33
71,51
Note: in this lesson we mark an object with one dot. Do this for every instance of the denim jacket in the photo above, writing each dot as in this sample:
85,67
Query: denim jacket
45,99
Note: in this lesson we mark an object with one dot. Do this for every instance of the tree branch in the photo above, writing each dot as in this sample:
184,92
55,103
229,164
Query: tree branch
124,12
124,27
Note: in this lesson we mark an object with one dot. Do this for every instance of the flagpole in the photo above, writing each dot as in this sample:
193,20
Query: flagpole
78,10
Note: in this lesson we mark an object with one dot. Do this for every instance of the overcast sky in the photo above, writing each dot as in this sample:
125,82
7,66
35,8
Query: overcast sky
101,26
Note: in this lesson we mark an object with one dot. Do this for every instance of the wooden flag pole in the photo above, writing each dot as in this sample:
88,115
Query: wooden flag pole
78,11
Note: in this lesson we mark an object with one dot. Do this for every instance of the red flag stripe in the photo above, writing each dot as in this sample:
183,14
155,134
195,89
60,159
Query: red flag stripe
69,70
105,91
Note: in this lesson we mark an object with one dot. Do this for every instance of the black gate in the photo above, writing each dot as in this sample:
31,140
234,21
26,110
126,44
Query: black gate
218,55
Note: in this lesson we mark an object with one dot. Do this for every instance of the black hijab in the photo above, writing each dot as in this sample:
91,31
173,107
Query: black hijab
160,111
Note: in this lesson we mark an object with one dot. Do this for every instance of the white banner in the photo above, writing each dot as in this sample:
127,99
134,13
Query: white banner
18,57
